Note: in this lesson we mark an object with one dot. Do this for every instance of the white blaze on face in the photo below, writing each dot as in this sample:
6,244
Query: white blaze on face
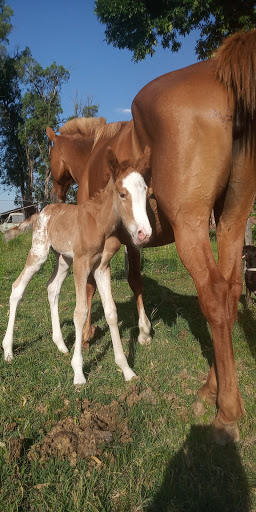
137,187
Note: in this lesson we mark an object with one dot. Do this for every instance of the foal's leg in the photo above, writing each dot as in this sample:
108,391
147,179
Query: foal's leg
103,280
89,329
34,262
81,272
54,286
112,245
136,284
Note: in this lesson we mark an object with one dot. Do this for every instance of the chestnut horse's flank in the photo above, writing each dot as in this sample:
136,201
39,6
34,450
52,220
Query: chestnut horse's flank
200,125
79,233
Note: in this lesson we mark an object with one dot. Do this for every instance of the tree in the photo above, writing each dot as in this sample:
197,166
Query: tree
5,24
84,108
140,25
41,107
29,101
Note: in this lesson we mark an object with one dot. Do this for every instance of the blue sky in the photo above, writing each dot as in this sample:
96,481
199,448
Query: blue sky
69,33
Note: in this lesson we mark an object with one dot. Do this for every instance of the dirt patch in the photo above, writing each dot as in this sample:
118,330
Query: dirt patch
98,425
16,448
84,438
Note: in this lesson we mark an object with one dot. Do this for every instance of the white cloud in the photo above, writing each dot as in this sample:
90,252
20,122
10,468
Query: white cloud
124,110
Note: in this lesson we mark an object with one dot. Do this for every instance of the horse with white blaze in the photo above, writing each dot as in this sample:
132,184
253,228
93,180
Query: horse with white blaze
78,233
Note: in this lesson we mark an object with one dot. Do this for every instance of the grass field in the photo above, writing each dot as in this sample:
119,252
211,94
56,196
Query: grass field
159,456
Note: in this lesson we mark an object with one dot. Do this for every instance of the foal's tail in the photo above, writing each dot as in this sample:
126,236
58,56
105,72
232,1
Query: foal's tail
21,228
236,69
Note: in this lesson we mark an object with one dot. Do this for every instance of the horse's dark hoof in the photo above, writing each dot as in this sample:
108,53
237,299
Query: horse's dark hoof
225,434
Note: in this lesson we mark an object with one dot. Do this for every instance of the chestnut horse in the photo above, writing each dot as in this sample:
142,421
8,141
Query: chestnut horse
77,233
200,123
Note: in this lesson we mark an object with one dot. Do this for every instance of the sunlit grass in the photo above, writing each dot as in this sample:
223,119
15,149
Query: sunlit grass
171,463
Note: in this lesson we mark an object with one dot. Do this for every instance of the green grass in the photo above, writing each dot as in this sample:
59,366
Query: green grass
171,463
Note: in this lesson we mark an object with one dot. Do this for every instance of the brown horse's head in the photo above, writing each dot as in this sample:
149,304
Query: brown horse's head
61,175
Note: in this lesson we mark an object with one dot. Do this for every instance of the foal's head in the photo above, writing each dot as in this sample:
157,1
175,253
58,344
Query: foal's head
131,193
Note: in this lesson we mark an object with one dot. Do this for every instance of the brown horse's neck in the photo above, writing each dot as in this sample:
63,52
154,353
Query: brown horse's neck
75,151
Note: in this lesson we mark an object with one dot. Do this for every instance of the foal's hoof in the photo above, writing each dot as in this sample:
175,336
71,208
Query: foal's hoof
225,434
8,358
129,375
144,339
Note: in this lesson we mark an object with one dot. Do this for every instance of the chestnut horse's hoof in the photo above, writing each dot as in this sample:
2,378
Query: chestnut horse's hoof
225,434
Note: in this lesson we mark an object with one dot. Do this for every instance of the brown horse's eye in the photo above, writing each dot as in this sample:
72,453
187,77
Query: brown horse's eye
123,196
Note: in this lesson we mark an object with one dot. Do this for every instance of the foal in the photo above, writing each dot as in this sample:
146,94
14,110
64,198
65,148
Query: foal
78,233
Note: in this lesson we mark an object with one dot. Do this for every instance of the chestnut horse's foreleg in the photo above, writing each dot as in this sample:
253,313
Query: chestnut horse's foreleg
54,286
136,284
81,272
194,248
103,280
34,262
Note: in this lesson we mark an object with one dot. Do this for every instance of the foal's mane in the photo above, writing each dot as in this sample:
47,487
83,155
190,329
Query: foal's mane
96,126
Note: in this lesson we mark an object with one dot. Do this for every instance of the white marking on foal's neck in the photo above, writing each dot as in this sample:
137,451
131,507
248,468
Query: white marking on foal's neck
137,187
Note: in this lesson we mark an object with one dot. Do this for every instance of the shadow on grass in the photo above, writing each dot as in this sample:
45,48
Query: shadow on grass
203,477
164,304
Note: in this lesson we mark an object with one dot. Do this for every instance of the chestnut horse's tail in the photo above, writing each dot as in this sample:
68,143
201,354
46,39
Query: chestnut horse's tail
236,69
21,228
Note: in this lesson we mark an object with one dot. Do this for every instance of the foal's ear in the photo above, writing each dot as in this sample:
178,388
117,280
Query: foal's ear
143,164
51,134
113,163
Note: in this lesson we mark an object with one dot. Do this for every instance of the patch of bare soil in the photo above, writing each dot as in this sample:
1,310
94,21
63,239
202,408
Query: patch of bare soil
74,438
16,447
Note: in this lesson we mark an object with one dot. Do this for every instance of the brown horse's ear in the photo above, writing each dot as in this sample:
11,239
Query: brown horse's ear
51,134
143,164
113,163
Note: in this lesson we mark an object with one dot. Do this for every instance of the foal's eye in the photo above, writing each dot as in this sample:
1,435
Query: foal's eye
123,196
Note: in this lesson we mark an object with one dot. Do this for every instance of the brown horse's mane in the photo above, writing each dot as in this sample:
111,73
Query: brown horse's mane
82,126
95,126
107,131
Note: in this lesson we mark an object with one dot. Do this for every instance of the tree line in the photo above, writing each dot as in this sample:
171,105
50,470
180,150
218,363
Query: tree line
29,101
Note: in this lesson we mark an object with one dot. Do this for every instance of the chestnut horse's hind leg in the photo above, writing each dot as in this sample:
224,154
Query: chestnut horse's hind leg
34,262
232,218
196,253
136,284
103,280
54,286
